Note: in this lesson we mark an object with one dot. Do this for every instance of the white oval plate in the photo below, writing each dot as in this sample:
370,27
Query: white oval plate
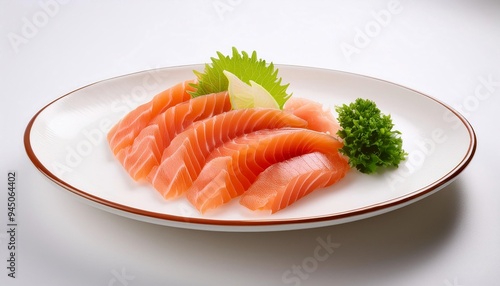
66,141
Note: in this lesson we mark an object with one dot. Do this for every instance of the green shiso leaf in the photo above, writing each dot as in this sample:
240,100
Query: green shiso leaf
247,68
369,141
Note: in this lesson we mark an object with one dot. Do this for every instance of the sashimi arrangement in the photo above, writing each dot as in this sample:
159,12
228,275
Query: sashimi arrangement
234,132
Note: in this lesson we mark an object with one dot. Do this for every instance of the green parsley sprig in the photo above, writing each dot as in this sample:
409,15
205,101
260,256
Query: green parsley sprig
369,141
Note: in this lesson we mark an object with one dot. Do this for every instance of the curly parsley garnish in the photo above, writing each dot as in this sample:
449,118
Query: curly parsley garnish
249,69
369,140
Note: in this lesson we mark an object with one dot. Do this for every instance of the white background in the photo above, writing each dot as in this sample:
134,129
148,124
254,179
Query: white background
446,49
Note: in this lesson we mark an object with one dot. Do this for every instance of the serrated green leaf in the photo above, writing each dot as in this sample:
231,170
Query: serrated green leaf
247,68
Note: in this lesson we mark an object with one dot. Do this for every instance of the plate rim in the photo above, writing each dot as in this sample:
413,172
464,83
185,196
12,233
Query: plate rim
219,224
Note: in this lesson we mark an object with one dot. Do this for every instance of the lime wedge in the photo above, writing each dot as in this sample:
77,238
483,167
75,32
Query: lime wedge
243,95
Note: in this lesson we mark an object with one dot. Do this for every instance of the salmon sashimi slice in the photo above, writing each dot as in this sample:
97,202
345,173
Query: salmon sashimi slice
147,148
125,131
319,117
186,155
286,182
227,176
